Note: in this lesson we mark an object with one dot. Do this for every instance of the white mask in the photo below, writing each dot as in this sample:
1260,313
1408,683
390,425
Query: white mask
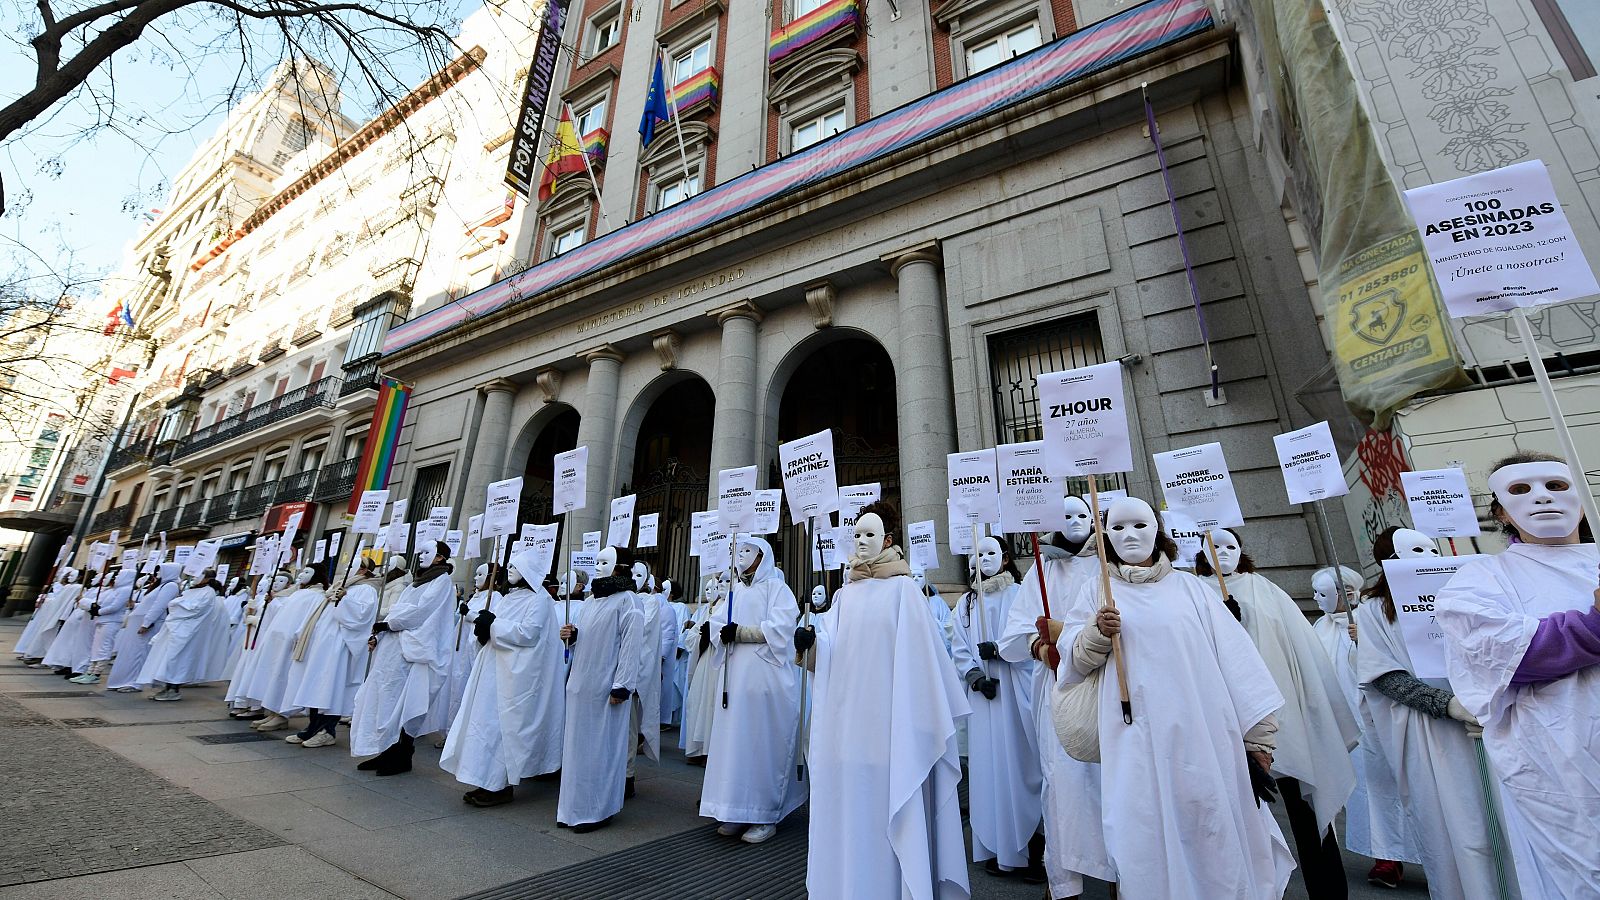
513,574
1080,521
427,554
1228,551
748,557
397,563
233,585
666,588
480,576
304,578
605,562
1325,588
818,595
1131,529
870,539
917,575
279,583
1539,497
641,575
989,557
1409,544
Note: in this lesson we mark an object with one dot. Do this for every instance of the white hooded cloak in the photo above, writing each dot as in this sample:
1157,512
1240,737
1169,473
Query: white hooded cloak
148,615
330,670
701,701
75,638
405,689
598,738
42,628
191,647
275,646
113,609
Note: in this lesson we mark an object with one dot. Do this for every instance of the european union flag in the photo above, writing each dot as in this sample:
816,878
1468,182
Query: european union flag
655,106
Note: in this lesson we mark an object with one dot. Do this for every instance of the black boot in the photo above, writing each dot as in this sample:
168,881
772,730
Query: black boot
627,790
1035,873
401,761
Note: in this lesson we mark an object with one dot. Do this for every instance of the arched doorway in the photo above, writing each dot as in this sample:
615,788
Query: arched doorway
846,385
672,455
558,435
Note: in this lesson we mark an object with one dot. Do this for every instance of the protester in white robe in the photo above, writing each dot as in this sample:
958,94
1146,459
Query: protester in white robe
1316,730
41,629
396,578
256,615
238,601
937,607
280,630
1202,704
189,648
607,636
1427,736
1075,843
463,649
750,781
329,656
402,697
1005,779
1523,651
882,759
69,652
646,710
673,615
1376,824
509,725
700,704
107,613
133,641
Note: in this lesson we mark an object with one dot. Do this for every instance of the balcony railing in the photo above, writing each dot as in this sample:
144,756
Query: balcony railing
336,481
115,517
221,508
142,527
254,500
319,393
164,520
360,377
128,454
191,514
292,488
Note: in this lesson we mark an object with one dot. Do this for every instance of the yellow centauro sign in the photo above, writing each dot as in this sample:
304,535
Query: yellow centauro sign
1388,330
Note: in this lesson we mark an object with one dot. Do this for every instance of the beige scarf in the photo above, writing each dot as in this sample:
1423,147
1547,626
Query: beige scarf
1143,574
303,639
888,563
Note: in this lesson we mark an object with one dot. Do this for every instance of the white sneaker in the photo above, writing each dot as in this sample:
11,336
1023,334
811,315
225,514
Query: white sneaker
320,739
294,739
759,833
729,829
273,722
167,694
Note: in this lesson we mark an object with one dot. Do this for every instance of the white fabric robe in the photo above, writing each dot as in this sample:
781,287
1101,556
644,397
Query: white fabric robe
249,652
75,639
113,611
329,673
463,651
701,703
648,681
674,615
941,620
598,739
42,628
1376,824
1005,779
1544,740
1435,766
1180,817
1075,843
514,707
884,766
405,689
133,648
750,768
237,604
1316,730
190,647
275,647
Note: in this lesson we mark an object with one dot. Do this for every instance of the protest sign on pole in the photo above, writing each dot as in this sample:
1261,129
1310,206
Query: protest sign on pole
768,511
852,497
619,528
591,542
130,559
500,508
571,480
473,548
649,529
826,554
222,574
583,562
1031,499
1188,536
1085,421
1440,502
369,512
541,539
924,546
736,498
200,557
961,528
700,525
398,534
434,527
1310,464
319,551
453,539
1196,480
810,480
973,486
1414,582
290,528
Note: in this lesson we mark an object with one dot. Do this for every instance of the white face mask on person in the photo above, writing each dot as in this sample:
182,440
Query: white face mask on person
1131,528
641,574
1409,544
869,536
605,562
1540,498
1228,551
1080,521
480,576
990,557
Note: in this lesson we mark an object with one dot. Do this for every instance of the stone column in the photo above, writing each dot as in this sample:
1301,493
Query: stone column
597,430
733,432
489,450
923,389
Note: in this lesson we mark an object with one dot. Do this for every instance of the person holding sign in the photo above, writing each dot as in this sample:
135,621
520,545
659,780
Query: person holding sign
280,632
400,699
1316,730
69,652
260,613
1204,704
191,646
1426,735
140,626
700,705
327,665
43,627
1523,651
509,725
883,761
108,615
656,637
464,651
749,784
1005,786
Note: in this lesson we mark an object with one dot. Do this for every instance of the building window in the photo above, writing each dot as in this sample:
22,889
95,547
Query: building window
239,477
373,321
798,8
675,191
1574,27
431,482
1012,41
606,31
692,61
568,238
816,128
592,117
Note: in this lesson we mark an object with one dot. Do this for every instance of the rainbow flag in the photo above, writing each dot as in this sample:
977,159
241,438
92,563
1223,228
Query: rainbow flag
378,456
699,87
814,25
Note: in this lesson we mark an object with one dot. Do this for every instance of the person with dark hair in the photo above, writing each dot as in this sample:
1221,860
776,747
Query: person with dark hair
884,764
1202,727
401,698
1316,730
191,646
328,659
1522,631
1426,735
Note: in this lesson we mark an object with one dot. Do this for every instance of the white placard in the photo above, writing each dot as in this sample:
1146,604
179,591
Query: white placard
541,539
571,480
736,498
437,523
453,539
768,511
115,538
923,544
826,552
500,508
98,554
1190,539
1440,502
398,534
266,555
473,548
1310,464
649,529
717,551
130,559
369,512
852,497
961,529
1085,421
619,529
810,480
700,525
591,542
222,574
335,541
973,485
1498,240
1414,582
182,555
582,562
291,527
201,556
1031,499
1195,480
319,551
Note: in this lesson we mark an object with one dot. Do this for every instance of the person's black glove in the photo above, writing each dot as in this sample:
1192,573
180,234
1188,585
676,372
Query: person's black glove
380,627
1233,607
94,610
729,633
988,687
705,636
805,637
682,653
688,624
620,694
462,609
1261,782
480,628
988,650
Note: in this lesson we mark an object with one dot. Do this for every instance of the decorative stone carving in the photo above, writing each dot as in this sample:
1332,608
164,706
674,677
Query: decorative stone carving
666,345
820,297
549,382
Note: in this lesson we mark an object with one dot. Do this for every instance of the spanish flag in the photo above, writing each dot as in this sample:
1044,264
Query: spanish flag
566,156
